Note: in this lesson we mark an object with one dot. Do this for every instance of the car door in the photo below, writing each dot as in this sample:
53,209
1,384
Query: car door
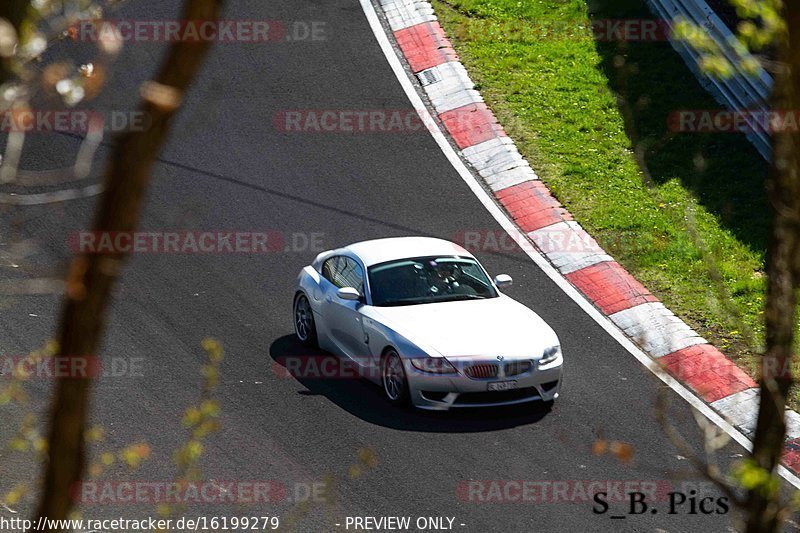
342,317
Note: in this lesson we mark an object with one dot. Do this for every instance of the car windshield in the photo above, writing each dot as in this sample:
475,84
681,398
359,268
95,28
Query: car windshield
428,280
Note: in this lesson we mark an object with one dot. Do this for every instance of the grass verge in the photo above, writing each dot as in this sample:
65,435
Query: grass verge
685,213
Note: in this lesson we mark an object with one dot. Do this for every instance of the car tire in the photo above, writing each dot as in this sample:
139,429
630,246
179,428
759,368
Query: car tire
393,379
304,326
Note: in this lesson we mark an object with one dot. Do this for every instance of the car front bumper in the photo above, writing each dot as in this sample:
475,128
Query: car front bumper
443,392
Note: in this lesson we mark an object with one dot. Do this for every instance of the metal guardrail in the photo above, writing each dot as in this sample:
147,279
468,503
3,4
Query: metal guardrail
741,91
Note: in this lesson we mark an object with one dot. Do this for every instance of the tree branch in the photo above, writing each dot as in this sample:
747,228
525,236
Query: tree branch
92,277
783,185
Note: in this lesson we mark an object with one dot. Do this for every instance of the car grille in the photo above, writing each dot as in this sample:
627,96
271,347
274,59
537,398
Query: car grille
483,371
527,393
517,367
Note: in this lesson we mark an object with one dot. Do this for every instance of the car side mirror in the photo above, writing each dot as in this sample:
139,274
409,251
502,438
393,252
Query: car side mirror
503,280
348,293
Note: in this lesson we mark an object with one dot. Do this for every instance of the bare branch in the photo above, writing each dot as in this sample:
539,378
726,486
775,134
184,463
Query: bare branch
706,466
92,278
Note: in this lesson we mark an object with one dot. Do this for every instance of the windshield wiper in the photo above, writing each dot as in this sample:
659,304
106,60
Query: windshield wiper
406,301
457,297
433,300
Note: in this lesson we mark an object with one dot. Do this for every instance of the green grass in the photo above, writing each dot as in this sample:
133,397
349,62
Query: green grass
685,213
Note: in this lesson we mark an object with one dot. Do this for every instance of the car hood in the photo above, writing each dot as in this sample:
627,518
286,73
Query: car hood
490,327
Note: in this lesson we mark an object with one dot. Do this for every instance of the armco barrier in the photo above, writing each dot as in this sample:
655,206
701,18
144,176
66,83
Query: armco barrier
741,91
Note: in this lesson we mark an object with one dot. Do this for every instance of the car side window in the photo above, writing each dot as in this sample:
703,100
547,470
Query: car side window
349,274
329,269
343,272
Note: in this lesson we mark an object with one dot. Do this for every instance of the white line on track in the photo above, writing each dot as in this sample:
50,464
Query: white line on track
541,262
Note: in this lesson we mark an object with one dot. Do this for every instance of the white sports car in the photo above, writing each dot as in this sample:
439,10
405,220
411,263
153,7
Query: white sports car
420,317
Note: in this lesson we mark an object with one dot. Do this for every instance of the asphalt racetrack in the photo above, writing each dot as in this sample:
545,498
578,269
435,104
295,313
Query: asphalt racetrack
228,167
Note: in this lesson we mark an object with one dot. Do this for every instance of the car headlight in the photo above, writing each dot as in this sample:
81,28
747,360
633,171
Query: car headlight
550,354
433,365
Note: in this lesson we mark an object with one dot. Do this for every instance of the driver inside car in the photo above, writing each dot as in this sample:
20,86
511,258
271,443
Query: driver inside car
446,278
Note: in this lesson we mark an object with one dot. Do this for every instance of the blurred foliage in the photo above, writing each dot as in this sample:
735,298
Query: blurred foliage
760,27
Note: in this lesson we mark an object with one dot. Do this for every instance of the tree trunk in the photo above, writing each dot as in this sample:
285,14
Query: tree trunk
783,274
92,277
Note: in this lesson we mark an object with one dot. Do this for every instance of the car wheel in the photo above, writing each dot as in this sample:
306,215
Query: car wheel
304,326
395,383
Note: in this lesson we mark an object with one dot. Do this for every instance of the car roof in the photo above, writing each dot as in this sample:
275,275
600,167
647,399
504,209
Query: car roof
381,250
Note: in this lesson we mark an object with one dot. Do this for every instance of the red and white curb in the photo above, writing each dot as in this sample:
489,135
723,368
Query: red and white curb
484,145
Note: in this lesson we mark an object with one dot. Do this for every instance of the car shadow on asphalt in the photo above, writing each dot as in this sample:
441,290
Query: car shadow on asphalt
324,374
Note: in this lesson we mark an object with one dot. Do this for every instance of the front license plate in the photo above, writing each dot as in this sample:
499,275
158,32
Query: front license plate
502,385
